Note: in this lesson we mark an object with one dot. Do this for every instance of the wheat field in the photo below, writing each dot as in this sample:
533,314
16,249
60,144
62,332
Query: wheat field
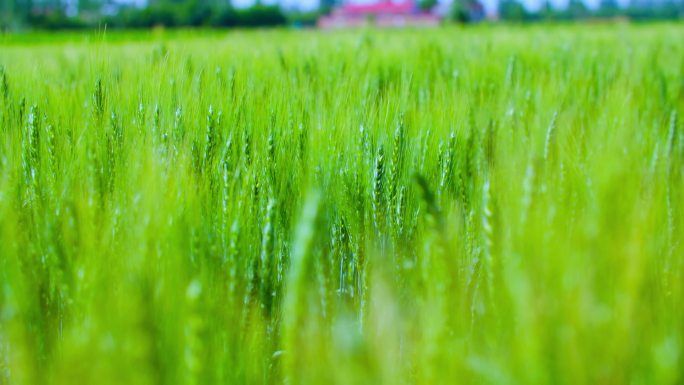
480,205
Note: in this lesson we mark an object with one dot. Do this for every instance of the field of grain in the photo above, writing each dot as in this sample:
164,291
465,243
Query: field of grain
483,205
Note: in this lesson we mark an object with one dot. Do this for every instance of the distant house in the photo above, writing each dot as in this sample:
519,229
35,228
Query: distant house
381,14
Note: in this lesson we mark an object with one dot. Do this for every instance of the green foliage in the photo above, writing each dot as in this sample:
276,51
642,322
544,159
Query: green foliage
427,5
365,207
55,21
188,13
512,10
257,16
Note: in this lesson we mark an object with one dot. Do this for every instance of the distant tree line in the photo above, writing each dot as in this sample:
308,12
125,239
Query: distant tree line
512,10
196,14
78,14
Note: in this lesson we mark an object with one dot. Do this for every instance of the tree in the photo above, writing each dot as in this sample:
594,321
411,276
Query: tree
512,10
426,5
577,10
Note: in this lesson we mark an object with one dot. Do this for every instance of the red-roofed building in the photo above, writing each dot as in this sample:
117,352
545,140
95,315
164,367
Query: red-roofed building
382,14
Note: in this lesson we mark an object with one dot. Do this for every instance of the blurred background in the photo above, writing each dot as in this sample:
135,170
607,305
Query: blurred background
17,15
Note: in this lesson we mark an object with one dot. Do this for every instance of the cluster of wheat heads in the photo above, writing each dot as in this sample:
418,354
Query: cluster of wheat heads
486,205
